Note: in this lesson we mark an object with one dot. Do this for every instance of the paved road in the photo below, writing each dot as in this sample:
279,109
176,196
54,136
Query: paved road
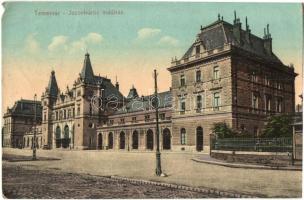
178,166
30,182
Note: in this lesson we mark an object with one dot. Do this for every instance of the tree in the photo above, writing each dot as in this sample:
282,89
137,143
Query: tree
222,130
278,126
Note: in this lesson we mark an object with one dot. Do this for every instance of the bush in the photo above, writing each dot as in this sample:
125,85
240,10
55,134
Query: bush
278,126
222,130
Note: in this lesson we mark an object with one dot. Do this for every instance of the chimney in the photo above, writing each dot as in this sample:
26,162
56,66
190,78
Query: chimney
116,84
248,32
267,41
237,27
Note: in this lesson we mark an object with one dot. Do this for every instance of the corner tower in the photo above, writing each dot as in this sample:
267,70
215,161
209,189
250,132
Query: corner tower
48,100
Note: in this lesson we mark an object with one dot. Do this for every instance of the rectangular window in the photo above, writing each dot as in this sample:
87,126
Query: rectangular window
133,119
162,116
279,104
253,77
78,109
279,85
198,103
183,136
182,80
122,120
182,106
78,93
147,118
44,117
267,80
255,104
111,121
216,101
64,114
198,76
56,115
267,102
216,72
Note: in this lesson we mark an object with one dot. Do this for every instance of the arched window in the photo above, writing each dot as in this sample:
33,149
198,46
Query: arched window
183,136
66,131
166,139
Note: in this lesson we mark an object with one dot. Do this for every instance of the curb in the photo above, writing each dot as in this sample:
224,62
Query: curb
245,166
183,187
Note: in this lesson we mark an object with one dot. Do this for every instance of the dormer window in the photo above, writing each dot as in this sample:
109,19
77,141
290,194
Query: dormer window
197,50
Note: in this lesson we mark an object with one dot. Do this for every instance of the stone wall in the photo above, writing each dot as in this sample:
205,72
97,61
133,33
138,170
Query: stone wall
261,158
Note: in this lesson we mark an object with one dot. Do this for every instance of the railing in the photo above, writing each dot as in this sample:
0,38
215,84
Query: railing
253,144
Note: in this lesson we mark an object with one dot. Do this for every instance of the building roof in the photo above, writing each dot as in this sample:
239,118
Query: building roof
145,103
132,93
109,89
87,74
26,107
52,87
220,32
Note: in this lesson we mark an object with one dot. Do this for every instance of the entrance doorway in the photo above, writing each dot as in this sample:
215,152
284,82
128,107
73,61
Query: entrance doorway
110,141
122,140
99,141
135,140
199,139
150,141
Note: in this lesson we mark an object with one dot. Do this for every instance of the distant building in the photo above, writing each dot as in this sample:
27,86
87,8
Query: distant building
18,120
227,75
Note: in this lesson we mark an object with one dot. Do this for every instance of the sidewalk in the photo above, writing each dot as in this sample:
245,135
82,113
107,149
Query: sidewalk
209,160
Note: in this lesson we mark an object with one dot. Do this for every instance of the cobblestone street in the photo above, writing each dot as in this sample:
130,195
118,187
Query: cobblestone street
62,172
30,182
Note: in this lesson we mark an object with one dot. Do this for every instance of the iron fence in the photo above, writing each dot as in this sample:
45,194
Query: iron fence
253,144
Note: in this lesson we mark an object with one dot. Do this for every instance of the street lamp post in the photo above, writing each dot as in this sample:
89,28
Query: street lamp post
158,170
35,121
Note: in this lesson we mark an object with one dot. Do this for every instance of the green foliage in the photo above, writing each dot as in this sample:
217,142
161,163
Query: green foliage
222,130
278,126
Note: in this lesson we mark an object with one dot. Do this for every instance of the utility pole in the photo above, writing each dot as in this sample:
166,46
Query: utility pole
158,170
35,122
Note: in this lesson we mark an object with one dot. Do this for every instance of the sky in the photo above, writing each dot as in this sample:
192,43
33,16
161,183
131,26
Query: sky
140,37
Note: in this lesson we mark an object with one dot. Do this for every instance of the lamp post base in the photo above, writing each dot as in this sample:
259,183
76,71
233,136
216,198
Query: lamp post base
158,170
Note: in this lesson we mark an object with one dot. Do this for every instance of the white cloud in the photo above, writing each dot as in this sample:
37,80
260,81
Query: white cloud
168,40
84,42
31,44
61,42
146,33
58,42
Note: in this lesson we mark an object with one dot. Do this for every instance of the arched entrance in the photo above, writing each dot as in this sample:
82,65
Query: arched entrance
66,137
110,141
58,137
150,141
122,140
99,141
135,140
166,139
199,139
